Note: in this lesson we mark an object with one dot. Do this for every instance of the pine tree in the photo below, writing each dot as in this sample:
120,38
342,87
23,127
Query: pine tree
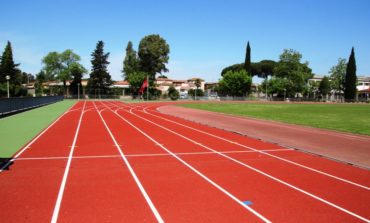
130,64
351,79
247,63
8,67
100,79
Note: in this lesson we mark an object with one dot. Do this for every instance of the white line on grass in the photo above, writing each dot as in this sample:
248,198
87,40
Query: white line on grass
146,196
66,171
196,171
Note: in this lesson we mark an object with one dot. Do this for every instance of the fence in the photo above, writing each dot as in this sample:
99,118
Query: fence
13,105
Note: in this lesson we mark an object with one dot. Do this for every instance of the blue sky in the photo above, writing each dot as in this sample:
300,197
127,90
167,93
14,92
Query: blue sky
204,36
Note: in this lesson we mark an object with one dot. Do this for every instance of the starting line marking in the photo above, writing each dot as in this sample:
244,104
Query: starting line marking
144,155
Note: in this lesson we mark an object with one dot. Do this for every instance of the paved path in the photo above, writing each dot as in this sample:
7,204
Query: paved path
349,148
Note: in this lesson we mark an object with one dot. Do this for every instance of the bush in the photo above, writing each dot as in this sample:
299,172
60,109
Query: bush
173,93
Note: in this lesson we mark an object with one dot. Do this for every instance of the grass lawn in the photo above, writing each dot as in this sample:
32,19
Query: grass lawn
17,130
354,118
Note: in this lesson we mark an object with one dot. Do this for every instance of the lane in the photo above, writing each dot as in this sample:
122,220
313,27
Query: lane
28,189
352,198
100,189
177,191
355,175
282,200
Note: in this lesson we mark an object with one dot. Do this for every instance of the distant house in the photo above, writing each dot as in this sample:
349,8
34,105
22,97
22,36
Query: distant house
363,87
182,86
123,85
363,84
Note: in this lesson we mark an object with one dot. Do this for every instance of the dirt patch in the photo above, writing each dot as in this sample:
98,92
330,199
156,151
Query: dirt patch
345,147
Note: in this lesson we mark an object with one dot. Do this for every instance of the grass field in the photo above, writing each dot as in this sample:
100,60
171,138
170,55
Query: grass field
354,118
17,130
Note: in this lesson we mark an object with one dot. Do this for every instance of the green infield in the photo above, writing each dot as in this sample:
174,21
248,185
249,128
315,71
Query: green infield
353,118
17,130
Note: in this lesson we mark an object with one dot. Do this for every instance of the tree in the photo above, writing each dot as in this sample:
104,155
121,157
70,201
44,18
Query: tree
324,87
338,75
351,78
130,63
236,83
247,63
100,79
59,66
77,72
291,68
40,79
153,56
279,86
9,68
26,78
173,93
264,68
136,79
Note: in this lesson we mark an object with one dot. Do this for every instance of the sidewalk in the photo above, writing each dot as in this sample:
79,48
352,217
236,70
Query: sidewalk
345,147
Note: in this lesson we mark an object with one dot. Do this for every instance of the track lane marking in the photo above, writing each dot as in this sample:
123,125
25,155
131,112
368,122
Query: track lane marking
261,172
144,155
195,170
260,151
58,202
143,191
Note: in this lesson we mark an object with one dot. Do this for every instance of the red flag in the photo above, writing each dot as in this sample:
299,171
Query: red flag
145,84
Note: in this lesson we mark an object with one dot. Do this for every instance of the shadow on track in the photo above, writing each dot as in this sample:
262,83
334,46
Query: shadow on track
5,163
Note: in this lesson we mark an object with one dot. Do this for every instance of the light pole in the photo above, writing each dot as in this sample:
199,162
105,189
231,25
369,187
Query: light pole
78,91
266,87
7,77
284,93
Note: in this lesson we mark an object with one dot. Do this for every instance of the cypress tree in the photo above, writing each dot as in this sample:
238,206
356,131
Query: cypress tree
7,66
130,63
247,63
100,78
351,79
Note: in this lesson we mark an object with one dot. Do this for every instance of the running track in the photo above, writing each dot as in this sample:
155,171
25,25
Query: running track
106,161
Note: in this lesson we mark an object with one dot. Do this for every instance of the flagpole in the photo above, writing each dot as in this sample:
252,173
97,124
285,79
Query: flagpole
147,88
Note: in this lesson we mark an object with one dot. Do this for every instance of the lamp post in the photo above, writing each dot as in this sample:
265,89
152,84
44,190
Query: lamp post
7,77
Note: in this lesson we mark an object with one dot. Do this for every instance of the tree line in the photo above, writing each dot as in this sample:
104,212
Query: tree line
289,77
9,69
151,59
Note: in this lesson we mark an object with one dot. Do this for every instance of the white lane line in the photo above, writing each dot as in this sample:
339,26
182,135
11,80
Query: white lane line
66,171
144,193
263,173
265,153
144,155
196,171
36,138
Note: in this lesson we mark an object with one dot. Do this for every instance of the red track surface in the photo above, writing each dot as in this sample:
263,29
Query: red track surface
114,162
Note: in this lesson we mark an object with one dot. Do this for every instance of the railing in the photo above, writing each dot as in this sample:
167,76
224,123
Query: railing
13,105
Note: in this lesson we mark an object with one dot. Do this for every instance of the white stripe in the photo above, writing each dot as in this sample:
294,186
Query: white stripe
146,196
34,140
197,172
265,174
145,155
263,152
66,171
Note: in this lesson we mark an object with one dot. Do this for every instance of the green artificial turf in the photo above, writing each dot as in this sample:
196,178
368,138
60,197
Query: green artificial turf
17,130
354,118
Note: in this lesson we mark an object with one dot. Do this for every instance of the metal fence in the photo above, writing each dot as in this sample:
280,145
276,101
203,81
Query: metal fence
13,105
